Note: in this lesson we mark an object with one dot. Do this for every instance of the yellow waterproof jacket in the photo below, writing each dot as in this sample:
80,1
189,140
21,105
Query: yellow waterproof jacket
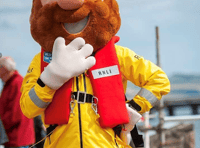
83,129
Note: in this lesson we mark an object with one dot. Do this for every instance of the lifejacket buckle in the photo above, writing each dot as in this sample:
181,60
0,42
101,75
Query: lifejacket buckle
94,104
78,94
72,105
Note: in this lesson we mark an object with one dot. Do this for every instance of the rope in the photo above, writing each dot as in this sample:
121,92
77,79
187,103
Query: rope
42,139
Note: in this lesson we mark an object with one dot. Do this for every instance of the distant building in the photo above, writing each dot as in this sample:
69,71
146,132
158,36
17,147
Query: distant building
184,99
179,136
185,92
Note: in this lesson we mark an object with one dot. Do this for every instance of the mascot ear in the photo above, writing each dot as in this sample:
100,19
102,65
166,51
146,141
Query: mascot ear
31,16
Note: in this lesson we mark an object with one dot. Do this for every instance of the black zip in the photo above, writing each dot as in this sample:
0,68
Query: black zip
79,117
80,126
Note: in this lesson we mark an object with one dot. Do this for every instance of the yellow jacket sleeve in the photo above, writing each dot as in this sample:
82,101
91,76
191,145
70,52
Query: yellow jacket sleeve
153,81
34,98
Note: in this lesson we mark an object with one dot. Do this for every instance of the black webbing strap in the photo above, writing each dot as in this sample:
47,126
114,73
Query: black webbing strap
49,131
117,129
77,84
84,80
83,97
137,139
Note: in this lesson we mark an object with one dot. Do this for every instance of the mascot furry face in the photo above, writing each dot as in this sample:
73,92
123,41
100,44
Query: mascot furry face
96,21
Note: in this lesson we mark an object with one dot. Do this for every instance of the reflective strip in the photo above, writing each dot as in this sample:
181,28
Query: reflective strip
36,100
148,95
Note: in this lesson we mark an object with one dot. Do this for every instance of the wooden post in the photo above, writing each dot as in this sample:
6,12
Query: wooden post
146,133
161,104
158,47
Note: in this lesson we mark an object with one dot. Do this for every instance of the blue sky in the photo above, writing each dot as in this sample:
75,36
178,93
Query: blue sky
178,21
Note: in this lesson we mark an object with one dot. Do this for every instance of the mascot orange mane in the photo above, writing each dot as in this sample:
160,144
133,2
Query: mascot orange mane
96,21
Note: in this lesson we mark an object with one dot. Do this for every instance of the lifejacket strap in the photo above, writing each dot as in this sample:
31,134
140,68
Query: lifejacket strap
137,139
83,97
50,129
84,80
117,129
77,86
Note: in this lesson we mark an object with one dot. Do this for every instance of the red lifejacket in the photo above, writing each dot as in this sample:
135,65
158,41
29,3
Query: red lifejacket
105,77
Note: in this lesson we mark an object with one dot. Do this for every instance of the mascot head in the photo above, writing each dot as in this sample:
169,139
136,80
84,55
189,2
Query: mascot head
96,21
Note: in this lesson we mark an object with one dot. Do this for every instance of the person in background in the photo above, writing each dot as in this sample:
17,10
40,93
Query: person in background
19,129
3,135
40,132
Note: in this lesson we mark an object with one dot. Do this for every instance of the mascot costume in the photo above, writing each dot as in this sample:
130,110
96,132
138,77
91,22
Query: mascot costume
78,80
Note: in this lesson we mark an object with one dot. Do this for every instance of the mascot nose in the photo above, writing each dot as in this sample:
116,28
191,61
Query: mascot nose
70,4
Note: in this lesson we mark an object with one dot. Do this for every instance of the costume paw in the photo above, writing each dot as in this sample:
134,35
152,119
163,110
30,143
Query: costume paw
134,117
67,61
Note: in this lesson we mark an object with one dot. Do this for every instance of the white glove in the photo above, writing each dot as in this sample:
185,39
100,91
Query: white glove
134,117
67,61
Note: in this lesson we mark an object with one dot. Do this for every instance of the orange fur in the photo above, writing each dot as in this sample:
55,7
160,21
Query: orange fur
47,22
